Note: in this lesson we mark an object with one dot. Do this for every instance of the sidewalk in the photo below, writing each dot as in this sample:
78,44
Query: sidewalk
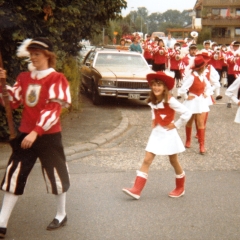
79,131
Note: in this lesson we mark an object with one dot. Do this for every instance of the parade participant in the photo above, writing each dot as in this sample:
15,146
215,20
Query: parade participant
160,53
154,45
42,92
233,93
135,46
223,79
231,58
213,78
164,139
188,60
216,60
207,46
196,88
147,47
175,63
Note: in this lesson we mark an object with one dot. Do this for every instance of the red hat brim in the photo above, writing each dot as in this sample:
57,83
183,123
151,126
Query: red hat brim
169,81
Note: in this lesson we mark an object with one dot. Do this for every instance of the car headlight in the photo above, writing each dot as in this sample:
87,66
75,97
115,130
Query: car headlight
108,83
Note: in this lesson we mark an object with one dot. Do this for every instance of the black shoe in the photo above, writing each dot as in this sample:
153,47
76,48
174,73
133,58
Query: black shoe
55,224
3,232
218,97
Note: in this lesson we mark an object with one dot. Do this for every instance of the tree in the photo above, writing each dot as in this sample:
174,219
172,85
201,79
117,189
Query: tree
64,22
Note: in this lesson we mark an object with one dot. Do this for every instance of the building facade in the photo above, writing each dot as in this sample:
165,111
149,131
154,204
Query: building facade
221,18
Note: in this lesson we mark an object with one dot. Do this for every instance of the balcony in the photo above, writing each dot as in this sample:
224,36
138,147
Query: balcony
220,3
224,40
221,21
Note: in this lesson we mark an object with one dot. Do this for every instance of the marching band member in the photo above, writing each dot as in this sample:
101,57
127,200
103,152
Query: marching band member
160,53
147,47
42,92
233,92
207,46
232,61
216,59
164,138
223,79
175,60
196,88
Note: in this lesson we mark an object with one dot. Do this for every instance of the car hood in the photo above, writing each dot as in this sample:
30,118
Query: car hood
124,73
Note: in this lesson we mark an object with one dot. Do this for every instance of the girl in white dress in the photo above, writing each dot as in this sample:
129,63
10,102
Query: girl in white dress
164,138
196,90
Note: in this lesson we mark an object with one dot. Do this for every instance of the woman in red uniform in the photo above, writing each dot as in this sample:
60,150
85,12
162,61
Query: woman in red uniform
42,92
164,138
160,54
196,89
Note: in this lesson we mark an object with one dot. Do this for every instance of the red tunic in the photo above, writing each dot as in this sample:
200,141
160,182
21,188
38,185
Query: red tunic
198,86
168,117
42,100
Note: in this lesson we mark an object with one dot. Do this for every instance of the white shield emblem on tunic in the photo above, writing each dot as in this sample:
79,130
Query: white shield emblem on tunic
32,94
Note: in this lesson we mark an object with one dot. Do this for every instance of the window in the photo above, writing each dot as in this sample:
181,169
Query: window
223,12
220,32
237,32
215,11
238,11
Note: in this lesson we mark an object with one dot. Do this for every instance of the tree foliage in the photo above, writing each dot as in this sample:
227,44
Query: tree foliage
64,22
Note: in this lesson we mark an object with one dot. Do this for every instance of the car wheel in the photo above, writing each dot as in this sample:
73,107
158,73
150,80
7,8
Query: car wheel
96,98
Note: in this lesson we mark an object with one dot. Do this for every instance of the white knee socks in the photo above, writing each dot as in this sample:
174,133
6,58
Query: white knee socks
9,201
61,203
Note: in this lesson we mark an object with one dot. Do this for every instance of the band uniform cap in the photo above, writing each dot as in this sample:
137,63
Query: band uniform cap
199,62
168,80
207,41
41,43
214,43
236,43
193,45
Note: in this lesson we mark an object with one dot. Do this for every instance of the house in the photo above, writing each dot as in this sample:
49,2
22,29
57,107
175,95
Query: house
220,18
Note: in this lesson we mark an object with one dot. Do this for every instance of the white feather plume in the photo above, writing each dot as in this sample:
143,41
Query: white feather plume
22,49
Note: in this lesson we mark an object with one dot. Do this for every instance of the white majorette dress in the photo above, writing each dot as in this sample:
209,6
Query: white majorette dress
161,140
196,85
233,92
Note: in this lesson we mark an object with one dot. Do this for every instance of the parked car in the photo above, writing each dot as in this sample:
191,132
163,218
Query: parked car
113,73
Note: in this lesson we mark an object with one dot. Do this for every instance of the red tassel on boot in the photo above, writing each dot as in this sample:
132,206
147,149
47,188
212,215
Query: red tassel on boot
201,140
188,136
179,190
139,184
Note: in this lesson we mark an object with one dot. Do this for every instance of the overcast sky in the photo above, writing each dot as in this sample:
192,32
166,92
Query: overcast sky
159,5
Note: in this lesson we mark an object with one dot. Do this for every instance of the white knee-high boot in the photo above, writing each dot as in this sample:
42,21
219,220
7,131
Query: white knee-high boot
9,201
61,206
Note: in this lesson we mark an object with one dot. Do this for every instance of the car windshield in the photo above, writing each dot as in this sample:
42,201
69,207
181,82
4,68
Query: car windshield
120,60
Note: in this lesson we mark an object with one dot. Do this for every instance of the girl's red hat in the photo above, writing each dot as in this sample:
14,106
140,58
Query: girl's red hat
199,62
169,81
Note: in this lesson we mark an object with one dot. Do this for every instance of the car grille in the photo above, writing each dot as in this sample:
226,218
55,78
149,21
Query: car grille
133,85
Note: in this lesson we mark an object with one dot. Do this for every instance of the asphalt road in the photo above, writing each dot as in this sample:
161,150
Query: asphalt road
98,210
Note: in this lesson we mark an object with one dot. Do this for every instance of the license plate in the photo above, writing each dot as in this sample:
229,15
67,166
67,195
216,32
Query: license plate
133,96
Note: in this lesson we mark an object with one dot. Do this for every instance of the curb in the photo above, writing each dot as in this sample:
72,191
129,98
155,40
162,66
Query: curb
79,150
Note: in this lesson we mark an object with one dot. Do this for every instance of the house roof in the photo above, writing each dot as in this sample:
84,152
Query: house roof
198,4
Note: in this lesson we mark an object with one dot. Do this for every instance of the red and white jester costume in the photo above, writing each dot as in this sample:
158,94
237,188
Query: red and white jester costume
42,92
